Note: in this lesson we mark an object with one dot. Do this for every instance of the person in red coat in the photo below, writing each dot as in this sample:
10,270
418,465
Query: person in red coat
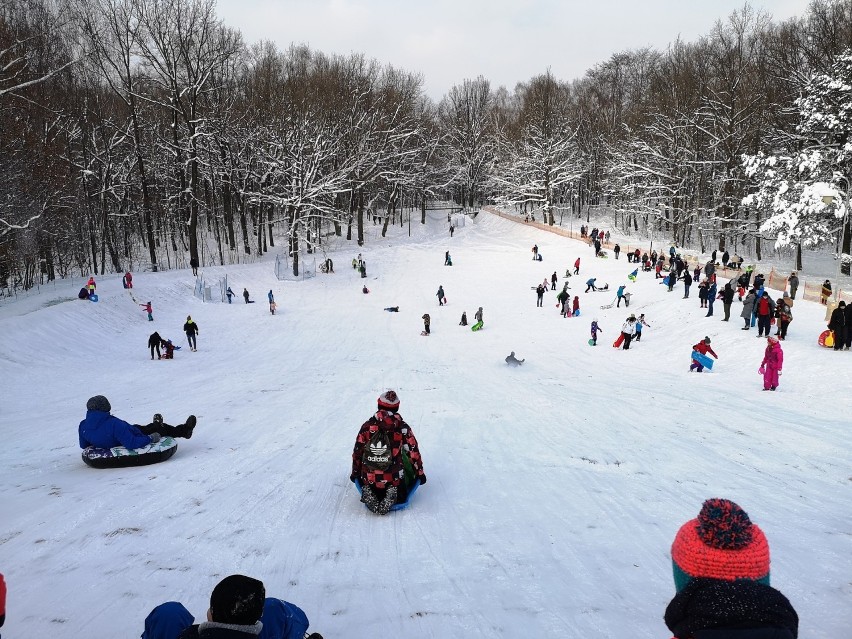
702,347
386,479
773,360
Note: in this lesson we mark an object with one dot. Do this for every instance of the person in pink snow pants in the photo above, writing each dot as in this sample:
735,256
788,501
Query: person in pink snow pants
773,360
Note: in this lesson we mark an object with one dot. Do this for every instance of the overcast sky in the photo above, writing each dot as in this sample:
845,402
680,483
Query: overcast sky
507,41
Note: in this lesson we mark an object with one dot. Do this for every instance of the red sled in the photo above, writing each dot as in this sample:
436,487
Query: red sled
618,342
826,339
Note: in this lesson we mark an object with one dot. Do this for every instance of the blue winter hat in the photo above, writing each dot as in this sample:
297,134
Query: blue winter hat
98,402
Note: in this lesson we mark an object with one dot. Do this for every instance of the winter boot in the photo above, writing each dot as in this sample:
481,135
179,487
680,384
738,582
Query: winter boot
369,499
388,501
189,426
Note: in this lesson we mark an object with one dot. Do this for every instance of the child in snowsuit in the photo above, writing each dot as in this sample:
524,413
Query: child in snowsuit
511,360
169,348
426,321
595,329
463,321
148,309
639,324
770,367
702,347
575,306
386,479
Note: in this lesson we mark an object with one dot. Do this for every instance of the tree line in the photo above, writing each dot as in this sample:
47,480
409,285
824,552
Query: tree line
143,133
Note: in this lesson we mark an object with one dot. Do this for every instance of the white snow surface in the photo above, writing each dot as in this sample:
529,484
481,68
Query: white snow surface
554,489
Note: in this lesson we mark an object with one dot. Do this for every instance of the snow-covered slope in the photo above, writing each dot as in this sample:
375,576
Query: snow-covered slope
554,489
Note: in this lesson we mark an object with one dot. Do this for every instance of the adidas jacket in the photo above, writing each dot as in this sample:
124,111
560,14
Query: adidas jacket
401,437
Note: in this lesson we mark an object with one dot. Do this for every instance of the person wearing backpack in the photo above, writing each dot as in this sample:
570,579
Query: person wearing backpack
386,458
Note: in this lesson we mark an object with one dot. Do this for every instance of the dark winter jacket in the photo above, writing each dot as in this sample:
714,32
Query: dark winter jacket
705,609
154,340
848,314
102,430
838,319
191,328
210,630
728,294
702,291
687,279
401,438
758,281
440,293
539,290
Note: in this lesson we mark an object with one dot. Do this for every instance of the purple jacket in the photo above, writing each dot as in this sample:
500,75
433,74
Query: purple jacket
102,430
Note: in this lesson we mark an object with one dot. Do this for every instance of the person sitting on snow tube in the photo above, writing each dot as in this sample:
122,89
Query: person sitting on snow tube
101,431
386,459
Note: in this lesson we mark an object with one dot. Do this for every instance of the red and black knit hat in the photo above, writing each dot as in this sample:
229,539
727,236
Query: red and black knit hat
389,400
721,543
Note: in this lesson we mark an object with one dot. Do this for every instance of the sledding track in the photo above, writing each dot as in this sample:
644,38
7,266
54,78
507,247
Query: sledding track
554,489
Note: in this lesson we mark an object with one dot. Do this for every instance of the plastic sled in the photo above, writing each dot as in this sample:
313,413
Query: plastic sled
826,338
400,505
702,359
93,297
121,457
576,313
618,340
591,342
476,326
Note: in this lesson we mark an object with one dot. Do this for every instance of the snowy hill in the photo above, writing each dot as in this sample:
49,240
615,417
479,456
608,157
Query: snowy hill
554,489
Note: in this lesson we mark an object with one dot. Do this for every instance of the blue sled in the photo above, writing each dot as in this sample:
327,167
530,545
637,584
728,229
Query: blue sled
702,359
401,504
93,297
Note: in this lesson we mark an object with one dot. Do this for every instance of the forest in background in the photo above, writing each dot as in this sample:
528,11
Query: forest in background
133,133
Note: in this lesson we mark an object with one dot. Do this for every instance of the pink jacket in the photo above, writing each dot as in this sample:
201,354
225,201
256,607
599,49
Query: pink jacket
773,358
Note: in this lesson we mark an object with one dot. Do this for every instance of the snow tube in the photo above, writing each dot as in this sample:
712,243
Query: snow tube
121,457
826,338
397,506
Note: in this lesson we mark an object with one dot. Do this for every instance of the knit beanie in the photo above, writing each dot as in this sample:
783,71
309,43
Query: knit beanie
98,402
389,400
237,600
721,543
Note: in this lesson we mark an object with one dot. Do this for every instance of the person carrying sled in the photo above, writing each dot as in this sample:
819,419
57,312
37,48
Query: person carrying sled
628,330
191,330
102,430
702,347
595,330
150,310
440,295
478,317
426,322
773,360
154,342
386,458
590,284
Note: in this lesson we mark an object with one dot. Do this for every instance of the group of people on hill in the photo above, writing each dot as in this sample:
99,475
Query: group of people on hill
156,342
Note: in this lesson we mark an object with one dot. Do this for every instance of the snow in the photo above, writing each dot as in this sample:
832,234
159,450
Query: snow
554,489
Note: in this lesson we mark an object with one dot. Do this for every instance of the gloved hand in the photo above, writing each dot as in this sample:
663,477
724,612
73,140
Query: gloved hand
423,479
155,437
761,370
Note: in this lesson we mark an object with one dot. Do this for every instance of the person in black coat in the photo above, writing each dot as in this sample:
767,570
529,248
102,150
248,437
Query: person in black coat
728,293
687,282
759,280
838,324
154,342
725,257
848,316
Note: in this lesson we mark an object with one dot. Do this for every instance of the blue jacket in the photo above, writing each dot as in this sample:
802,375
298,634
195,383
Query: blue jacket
620,291
282,620
102,430
167,621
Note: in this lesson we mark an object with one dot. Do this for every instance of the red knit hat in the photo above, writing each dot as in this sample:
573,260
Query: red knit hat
721,543
389,400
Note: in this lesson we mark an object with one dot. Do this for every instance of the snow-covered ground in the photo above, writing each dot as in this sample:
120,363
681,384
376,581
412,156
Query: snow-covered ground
554,489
